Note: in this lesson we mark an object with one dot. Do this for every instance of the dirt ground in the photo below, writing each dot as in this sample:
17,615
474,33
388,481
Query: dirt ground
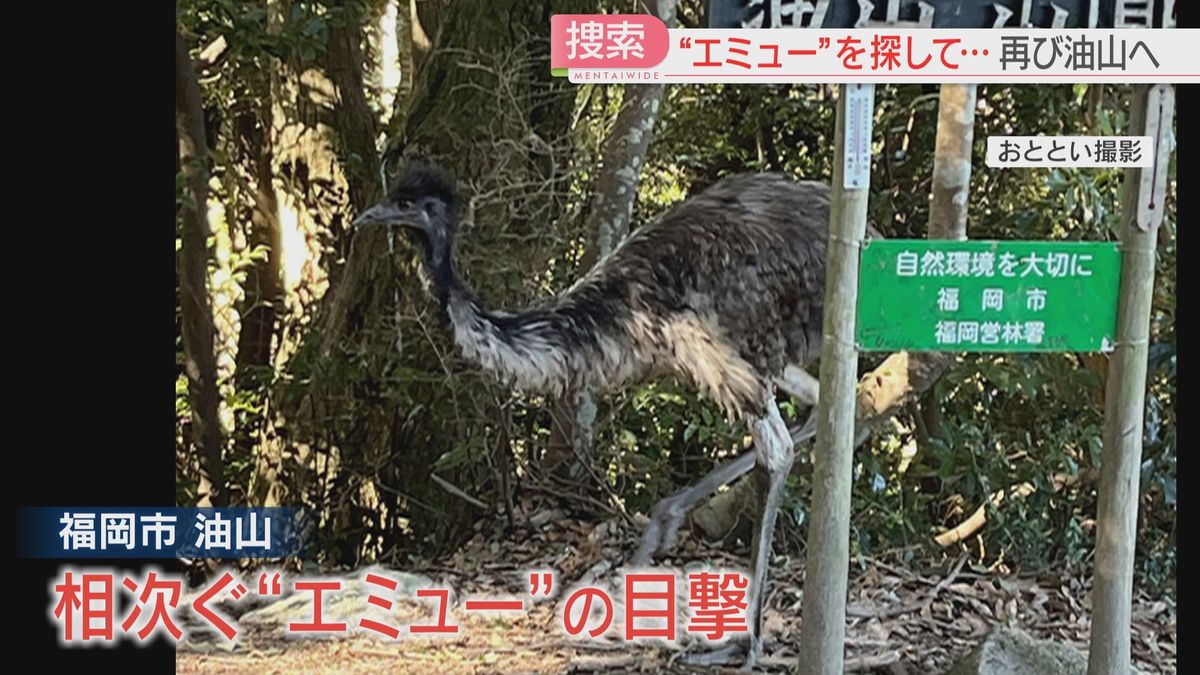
898,620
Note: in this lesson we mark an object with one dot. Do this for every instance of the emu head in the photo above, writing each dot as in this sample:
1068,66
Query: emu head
425,203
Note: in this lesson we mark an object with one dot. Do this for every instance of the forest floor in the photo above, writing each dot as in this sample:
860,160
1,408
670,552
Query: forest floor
898,620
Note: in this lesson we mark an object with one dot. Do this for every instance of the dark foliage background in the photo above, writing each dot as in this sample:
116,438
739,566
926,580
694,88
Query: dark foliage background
340,390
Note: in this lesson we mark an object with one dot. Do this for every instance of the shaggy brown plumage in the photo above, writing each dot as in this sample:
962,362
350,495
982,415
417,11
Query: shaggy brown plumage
725,291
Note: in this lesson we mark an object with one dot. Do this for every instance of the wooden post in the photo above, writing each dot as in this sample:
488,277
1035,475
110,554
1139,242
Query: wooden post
1153,108
823,629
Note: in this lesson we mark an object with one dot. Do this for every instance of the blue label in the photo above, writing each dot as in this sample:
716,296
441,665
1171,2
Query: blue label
141,532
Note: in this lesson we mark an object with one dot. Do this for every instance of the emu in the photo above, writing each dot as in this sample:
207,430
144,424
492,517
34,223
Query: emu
724,291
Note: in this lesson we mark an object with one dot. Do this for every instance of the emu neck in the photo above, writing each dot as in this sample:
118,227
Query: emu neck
445,284
473,326
527,349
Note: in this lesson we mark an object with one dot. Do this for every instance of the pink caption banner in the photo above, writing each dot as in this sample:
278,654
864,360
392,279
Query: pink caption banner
607,41
639,48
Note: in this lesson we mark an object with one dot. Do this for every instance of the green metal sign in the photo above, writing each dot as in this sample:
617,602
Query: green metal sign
988,296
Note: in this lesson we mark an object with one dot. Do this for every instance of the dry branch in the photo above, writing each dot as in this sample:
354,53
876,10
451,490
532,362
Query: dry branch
457,491
901,378
869,662
972,524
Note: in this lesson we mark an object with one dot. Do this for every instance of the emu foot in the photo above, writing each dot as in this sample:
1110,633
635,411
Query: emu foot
744,649
669,514
661,533
663,530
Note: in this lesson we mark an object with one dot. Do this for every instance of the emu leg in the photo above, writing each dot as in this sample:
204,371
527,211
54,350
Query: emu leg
669,513
774,453
799,384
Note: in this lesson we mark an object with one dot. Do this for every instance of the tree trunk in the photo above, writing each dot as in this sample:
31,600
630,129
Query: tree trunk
950,198
1153,107
952,162
264,292
192,261
482,102
425,17
352,117
405,29
570,445
264,301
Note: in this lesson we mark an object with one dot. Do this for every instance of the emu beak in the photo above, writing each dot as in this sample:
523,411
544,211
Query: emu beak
380,214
